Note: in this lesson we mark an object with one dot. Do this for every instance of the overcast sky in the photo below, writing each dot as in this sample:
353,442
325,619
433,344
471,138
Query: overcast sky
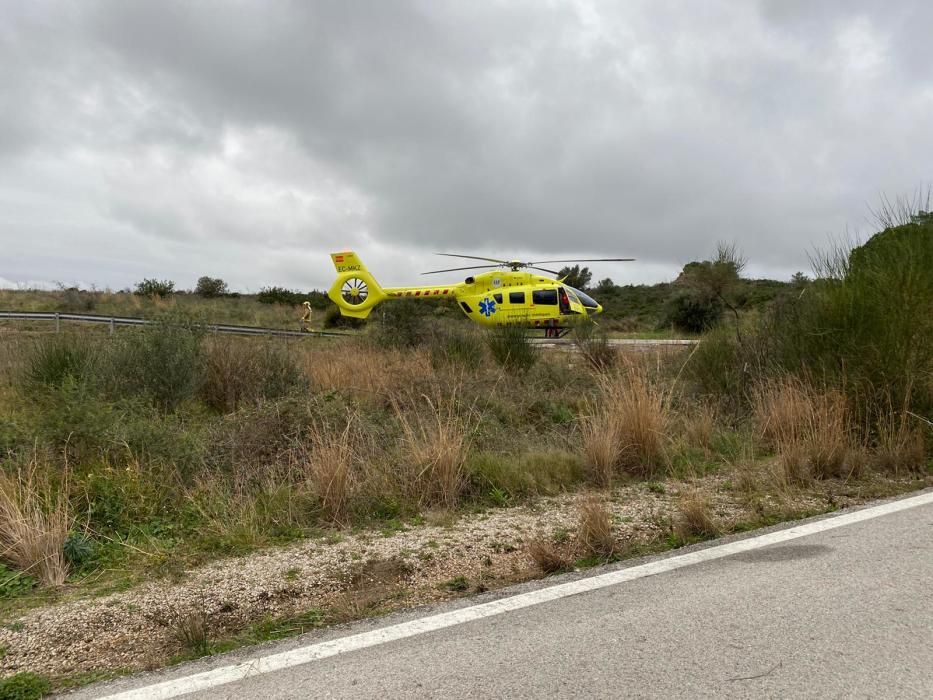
247,140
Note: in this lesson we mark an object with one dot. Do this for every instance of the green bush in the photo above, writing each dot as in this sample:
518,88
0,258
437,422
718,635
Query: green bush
211,287
456,345
511,347
280,295
866,323
163,361
24,686
401,323
56,358
74,300
334,319
691,311
155,288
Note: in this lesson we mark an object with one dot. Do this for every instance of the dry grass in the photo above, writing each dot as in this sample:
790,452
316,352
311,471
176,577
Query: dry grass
192,632
594,531
548,556
329,465
35,518
809,429
699,425
435,449
627,426
695,517
900,443
366,371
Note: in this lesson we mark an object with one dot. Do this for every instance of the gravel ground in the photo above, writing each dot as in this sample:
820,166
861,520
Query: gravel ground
361,574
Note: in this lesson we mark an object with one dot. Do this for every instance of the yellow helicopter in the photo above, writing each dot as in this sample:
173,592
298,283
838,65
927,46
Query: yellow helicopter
508,296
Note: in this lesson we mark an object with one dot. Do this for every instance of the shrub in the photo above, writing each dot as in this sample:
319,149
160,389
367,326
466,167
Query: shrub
692,311
56,358
210,287
155,288
511,347
163,361
593,344
279,295
402,323
456,345
245,369
74,300
334,319
35,519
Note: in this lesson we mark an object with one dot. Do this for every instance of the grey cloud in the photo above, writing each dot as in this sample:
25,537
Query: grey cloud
278,131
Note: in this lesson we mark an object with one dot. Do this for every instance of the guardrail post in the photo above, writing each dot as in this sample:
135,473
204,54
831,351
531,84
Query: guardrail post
112,325
58,322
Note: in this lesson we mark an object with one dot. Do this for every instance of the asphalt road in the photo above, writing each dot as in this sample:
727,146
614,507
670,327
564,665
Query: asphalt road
846,612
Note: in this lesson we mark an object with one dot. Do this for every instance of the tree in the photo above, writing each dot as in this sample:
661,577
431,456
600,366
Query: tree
575,276
210,287
155,288
719,278
605,286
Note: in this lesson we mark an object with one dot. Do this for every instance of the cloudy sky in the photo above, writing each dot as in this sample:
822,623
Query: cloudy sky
247,140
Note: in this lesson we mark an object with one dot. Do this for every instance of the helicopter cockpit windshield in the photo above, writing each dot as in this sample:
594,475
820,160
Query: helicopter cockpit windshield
587,301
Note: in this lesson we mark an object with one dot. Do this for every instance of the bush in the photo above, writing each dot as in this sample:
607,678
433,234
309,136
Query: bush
402,323
692,311
456,345
210,287
334,319
279,295
244,369
511,347
163,361
74,300
54,359
155,288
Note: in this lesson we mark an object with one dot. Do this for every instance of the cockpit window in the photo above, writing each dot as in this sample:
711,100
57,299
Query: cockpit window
587,301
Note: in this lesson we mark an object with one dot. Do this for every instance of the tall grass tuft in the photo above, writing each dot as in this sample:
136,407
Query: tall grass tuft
809,429
594,530
593,345
331,463
511,347
35,518
238,370
435,447
56,358
627,426
695,518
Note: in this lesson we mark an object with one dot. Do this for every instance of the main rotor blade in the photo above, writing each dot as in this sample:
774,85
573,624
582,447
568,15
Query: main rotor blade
535,267
472,257
455,269
547,262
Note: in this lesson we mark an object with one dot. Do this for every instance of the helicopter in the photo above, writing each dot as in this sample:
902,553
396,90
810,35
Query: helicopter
510,295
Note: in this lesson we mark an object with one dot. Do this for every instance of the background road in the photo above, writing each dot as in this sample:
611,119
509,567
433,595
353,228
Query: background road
847,612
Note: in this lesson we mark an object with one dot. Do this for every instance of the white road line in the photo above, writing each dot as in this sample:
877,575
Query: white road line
322,650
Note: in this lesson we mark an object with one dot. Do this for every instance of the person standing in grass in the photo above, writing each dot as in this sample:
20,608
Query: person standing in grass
306,318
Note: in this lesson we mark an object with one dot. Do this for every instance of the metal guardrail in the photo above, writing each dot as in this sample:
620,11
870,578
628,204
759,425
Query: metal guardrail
114,321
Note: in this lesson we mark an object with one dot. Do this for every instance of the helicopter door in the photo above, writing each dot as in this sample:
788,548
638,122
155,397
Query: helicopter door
569,302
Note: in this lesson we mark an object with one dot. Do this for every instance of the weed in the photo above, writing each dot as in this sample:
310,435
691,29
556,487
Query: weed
695,518
35,519
511,348
457,584
192,632
24,686
548,557
594,531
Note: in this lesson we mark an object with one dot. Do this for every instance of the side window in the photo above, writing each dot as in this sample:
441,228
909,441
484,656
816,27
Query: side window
466,307
516,297
547,297
498,298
